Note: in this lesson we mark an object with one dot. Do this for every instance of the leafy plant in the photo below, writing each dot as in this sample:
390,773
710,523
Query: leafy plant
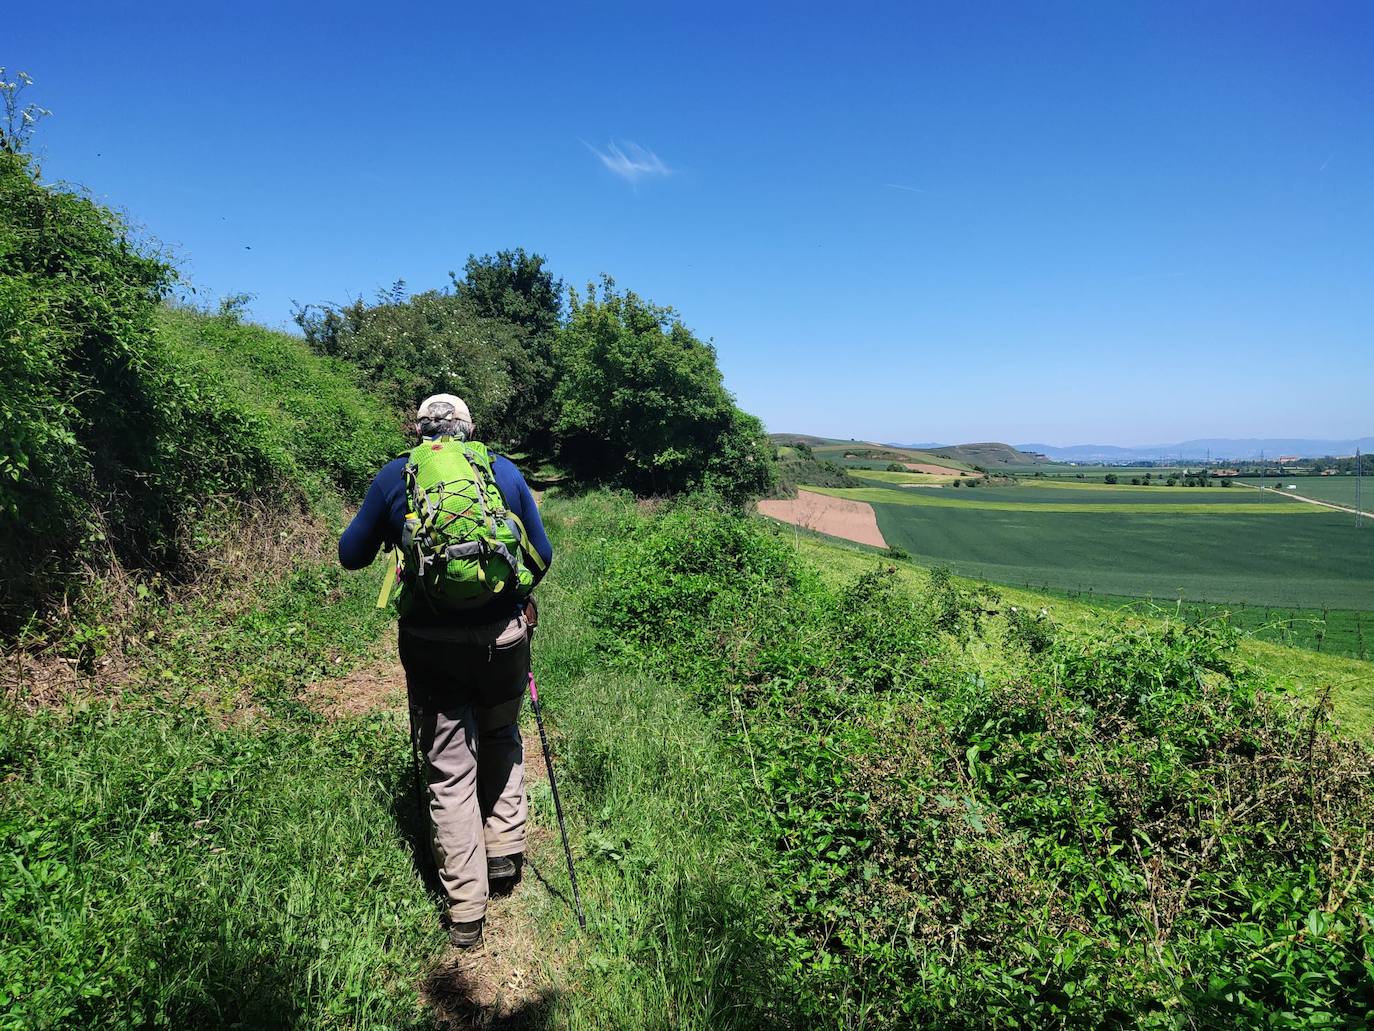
641,404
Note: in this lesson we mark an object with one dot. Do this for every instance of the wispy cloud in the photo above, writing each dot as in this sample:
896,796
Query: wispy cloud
1155,275
629,160
899,186
1327,161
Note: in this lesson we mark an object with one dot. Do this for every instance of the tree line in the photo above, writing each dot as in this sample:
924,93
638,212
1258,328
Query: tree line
126,425
611,387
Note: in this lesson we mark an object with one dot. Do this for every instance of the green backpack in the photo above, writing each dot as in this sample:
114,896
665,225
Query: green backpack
461,546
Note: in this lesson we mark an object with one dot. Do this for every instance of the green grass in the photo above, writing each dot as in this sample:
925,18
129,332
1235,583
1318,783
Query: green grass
1032,500
1290,667
1095,472
1140,551
659,803
887,476
1348,632
304,419
919,765
1339,490
201,849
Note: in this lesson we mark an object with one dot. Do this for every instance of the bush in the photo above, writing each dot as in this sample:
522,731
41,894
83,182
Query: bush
798,472
641,404
1122,829
411,347
121,425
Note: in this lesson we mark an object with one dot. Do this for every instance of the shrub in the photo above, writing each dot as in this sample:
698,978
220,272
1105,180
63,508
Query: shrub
794,473
1121,828
120,425
642,405
433,342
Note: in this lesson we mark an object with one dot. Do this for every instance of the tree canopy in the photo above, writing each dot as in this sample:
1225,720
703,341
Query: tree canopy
641,403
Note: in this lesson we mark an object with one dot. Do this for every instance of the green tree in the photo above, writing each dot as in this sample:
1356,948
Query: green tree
518,289
1109,478
489,339
641,403
513,286
433,342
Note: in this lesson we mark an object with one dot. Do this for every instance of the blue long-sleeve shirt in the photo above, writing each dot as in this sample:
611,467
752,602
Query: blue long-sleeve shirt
383,516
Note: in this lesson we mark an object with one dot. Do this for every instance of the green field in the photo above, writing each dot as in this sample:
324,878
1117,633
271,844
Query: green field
1275,641
1199,544
1096,472
1041,500
1330,631
1339,490
885,476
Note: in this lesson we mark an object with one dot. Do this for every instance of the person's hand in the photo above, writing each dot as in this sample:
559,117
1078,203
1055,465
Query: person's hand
531,614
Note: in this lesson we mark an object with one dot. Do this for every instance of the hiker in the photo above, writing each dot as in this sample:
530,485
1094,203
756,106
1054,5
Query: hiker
472,549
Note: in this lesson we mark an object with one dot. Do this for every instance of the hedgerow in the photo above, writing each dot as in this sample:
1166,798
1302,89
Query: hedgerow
122,424
1126,828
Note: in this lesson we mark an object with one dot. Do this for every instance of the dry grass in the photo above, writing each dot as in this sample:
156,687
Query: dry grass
97,642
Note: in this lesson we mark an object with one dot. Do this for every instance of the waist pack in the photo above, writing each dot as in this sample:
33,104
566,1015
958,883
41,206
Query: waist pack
461,546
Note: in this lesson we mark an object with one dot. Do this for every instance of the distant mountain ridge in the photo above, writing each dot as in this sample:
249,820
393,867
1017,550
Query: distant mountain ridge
1196,450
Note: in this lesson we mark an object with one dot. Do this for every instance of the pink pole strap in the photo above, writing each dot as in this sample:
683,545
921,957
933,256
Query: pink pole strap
534,691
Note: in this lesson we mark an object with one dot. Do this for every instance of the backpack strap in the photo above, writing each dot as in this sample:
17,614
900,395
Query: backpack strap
524,538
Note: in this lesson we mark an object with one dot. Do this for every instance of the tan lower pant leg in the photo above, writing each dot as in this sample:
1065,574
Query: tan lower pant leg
477,804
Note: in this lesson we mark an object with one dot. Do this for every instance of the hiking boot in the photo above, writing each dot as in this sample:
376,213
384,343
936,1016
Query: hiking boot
465,934
503,874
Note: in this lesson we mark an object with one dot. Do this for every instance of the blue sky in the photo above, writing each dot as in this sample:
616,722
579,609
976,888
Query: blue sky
968,221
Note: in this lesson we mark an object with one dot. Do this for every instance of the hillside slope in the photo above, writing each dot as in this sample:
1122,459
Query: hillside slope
989,455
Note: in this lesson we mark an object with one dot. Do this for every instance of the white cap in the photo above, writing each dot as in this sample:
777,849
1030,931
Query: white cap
429,405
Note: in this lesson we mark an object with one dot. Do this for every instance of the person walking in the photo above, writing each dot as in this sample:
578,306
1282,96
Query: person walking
472,549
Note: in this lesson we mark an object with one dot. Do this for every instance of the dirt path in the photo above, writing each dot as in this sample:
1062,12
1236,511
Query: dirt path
838,517
510,982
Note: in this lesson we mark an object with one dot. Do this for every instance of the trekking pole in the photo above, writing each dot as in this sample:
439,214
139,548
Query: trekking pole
557,805
415,770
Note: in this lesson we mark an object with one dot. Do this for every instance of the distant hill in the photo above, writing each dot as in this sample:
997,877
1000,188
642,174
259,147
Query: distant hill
868,453
989,455
793,439
1217,448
